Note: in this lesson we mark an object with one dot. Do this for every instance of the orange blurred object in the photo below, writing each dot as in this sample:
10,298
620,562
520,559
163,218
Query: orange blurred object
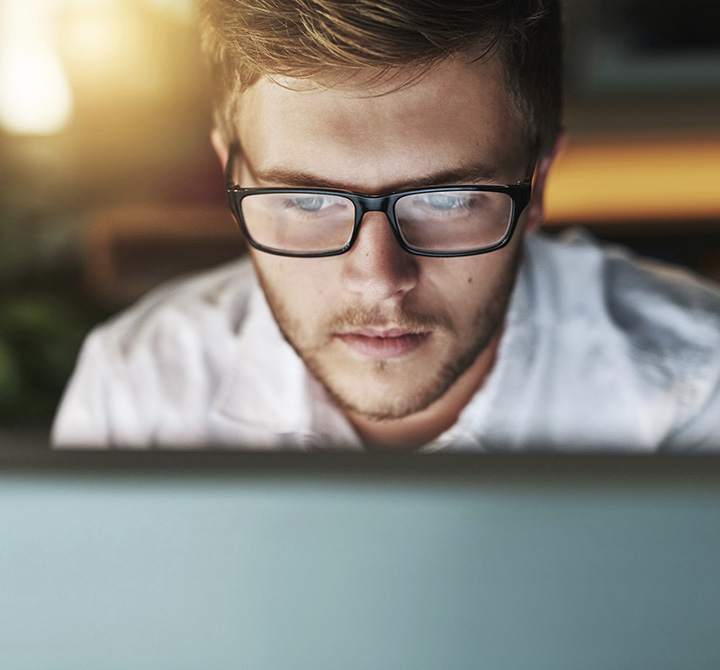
635,179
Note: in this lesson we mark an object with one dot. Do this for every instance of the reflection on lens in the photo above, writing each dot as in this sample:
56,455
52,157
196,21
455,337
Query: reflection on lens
299,222
454,221
443,220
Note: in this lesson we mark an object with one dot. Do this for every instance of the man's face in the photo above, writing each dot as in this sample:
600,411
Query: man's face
386,332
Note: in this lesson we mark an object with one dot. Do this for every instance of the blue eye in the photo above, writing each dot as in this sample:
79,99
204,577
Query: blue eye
444,201
310,203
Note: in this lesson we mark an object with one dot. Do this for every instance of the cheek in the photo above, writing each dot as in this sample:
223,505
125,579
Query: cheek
469,276
472,285
298,282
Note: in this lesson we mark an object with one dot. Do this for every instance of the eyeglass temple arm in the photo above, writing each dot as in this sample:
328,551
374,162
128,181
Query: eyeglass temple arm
233,150
532,163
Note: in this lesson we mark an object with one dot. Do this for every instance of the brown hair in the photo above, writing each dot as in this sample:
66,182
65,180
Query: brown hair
246,39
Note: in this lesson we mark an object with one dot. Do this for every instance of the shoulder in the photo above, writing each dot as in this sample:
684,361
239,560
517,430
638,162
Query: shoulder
150,373
646,329
213,303
661,309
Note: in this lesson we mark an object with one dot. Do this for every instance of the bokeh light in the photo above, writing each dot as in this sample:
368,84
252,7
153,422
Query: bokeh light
35,96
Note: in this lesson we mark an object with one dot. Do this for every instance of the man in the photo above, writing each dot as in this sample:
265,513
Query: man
380,157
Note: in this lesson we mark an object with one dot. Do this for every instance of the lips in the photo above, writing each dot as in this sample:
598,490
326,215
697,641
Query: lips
383,342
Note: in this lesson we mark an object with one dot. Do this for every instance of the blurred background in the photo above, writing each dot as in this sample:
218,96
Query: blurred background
108,184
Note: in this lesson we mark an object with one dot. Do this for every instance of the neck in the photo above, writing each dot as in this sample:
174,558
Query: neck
412,432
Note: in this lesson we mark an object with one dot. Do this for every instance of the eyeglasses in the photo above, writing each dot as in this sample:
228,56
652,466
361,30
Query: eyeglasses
441,222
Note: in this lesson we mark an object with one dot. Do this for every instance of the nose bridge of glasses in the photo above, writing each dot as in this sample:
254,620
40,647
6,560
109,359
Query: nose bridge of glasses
382,204
373,203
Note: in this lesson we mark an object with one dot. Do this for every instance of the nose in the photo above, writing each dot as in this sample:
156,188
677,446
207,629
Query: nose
377,267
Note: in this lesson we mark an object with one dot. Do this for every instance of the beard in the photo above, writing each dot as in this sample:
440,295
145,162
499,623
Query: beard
419,385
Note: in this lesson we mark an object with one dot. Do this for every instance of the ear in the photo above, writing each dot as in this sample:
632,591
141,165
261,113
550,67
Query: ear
535,207
220,146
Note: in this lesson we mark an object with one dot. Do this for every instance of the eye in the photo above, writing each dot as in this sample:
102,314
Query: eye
446,201
311,203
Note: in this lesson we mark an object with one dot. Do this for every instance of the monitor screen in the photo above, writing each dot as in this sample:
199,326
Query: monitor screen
179,560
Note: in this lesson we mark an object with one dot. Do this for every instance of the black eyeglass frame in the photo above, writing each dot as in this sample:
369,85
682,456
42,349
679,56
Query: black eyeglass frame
519,194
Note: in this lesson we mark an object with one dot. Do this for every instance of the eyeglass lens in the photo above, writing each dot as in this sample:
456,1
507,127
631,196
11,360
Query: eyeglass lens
435,221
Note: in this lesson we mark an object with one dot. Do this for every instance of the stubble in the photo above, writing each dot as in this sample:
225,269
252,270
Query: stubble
427,385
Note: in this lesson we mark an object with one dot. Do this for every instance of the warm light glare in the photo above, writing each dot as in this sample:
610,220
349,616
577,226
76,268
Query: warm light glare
35,96
101,46
97,38
181,8
622,179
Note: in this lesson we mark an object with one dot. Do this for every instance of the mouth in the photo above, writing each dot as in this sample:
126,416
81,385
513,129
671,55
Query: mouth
383,343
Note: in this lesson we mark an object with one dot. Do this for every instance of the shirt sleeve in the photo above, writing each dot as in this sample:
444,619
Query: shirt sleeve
97,402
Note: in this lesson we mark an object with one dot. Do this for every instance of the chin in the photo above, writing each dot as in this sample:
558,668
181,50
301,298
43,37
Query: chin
383,400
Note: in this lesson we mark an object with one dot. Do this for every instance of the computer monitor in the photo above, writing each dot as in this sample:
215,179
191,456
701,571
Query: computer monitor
350,561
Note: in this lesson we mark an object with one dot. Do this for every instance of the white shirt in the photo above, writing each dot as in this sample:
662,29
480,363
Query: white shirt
600,350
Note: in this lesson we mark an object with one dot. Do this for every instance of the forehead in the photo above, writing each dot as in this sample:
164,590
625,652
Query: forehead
456,113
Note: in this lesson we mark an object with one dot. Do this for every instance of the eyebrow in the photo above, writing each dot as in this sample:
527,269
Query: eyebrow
465,174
